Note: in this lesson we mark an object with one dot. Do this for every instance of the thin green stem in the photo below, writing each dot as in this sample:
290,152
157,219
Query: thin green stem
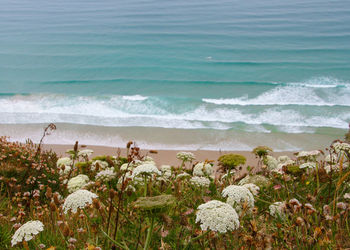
149,234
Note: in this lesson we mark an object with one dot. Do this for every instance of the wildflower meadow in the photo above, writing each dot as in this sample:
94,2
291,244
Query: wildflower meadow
129,202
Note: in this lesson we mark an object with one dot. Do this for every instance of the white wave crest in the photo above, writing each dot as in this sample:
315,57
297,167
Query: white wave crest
135,97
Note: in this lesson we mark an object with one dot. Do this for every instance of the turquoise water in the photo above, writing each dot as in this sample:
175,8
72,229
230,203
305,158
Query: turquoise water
269,67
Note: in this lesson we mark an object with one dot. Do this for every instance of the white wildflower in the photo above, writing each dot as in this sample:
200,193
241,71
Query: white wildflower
308,154
183,175
331,159
127,167
259,180
85,152
102,165
283,158
232,173
203,169
106,175
277,209
77,183
27,231
271,162
78,199
66,170
238,196
217,216
341,147
64,161
308,165
166,171
254,189
200,181
185,156
347,196
146,169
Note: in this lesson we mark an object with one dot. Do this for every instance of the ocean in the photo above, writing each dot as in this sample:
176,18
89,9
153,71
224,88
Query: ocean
228,75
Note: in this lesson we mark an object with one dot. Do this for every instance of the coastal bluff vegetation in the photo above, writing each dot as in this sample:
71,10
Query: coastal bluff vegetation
127,201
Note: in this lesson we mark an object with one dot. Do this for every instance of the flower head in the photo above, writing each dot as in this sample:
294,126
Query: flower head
238,197
77,183
277,209
85,152
200,181
27,231
101,164
203,169
185,156
341,147
106,175
308,165
217,216
64,161
146,169
259,180
254,189
78,199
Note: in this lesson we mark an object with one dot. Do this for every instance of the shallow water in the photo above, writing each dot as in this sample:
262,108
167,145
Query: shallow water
231,70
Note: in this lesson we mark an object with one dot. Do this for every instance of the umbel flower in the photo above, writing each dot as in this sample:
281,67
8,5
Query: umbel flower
254,189
106,175
185,156
341,146
101,164
308,165
217,216
200,181
238,196
64,161
146,169
202,169
85,152
78,199
277,209
77,183
27,231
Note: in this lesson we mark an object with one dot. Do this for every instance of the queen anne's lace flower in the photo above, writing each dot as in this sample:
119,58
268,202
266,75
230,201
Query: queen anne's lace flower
27,231
102,165
254,189
203,169
146,169
200,181
185,156
65,169
64,161
331,159
257,179
307,154
283,158
308,165
217,216
277,209
85,152
341,146
238,196
106,175
78,199
166,171
271,162
77,183
183,175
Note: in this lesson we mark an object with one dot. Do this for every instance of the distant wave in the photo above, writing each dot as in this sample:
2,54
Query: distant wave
118,112
135,97
297,93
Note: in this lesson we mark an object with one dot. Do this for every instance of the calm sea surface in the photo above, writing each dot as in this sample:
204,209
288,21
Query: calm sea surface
222,73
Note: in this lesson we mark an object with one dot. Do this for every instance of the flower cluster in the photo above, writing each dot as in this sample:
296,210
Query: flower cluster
106,175
78,199
185,156
341,147
308,165
100,164
146,169
77,182
200,181
85,152
27,231
203,169
238,197
277,209
217,216
308,154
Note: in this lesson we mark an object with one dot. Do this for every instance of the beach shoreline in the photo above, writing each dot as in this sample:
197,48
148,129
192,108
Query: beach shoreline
162,157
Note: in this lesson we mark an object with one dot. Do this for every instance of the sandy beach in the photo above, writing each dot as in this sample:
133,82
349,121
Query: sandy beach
163,156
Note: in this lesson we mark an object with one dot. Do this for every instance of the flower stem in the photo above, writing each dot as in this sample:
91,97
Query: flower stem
149,234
